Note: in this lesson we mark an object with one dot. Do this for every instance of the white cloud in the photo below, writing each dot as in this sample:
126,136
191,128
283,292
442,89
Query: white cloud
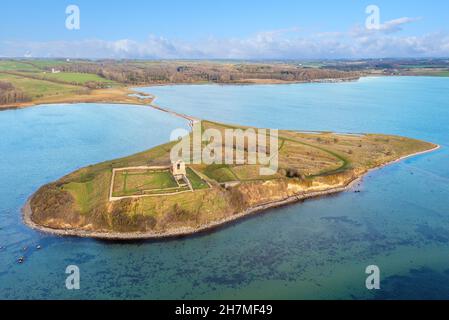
278,44
388,27
396,24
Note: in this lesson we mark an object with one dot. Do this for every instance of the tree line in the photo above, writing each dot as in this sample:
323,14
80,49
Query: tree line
137,73
10,94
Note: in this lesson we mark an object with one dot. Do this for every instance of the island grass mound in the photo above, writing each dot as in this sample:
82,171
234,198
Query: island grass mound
310,164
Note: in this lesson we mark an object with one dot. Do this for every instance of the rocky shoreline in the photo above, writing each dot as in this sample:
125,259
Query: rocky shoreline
183,232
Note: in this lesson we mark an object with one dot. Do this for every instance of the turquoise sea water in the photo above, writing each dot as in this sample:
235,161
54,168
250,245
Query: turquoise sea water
316,249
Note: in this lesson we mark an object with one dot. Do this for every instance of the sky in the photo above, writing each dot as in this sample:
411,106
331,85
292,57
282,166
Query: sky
231,29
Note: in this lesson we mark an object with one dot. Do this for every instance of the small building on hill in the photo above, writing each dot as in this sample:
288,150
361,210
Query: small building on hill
179,169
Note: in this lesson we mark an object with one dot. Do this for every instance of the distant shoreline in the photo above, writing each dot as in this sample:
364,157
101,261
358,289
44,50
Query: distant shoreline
185,232
106,96
122,95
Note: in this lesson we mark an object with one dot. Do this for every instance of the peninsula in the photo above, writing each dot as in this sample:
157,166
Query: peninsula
144,196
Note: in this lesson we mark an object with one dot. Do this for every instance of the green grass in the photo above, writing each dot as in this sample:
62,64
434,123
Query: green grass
226,174
220,173
34,79
30,65
195,180
42,64
442,74
346,163
167,191
148,182
7,65
423,66
251,173
82,192
39,88
77,78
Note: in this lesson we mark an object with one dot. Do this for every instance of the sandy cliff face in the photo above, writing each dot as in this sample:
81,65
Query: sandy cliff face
53,208
56,209
258,193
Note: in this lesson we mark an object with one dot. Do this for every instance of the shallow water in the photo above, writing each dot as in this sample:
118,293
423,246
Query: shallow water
316,249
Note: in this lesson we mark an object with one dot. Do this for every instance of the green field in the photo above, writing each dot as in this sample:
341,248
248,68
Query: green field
140,182
7,65
42,64
442,74
38,88
75,78
34,79
149,180
137,182
429,71
220,173
195,180
82,191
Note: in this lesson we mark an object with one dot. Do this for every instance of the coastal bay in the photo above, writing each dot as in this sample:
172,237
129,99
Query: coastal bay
398,220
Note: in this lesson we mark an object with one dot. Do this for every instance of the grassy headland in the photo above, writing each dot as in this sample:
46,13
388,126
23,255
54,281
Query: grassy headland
310,164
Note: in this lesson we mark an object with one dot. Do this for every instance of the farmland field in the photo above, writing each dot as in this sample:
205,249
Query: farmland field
195,180
149,180
135,182
78,78
39,88
6,65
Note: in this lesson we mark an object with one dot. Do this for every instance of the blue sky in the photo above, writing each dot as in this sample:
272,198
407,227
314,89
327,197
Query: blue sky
224,29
